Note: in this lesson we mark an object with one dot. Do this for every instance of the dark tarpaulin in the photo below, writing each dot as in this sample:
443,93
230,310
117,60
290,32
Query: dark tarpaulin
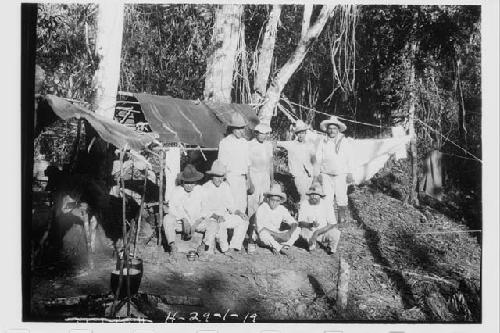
108,129
191,122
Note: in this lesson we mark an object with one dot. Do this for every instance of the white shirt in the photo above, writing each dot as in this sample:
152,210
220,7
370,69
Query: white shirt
322,213
217,200
301,156
265,217
333,156
184,204
261,156
234,154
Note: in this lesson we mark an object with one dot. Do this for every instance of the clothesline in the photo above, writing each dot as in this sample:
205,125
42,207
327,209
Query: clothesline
458,156
453,143
329,115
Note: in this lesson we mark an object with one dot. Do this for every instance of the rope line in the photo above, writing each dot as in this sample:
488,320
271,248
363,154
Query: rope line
458,156
453,143
345,119
446,232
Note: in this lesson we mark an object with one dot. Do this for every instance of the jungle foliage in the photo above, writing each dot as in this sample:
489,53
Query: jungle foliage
358,67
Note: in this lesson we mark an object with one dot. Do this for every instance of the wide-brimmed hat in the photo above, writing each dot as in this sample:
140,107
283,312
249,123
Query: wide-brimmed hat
316,188
190,174
236,120
300,126
218,169
276,191
263,128
332,120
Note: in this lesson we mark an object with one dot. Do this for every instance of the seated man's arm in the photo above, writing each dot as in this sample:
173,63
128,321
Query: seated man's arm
306,225
288,219
321,231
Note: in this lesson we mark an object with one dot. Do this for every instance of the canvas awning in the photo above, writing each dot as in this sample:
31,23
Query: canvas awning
191,122
108,129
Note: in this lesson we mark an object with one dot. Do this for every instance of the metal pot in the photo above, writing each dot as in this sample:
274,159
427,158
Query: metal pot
135,281
135,263
191,255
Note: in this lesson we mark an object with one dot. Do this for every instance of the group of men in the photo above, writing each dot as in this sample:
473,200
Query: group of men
240,194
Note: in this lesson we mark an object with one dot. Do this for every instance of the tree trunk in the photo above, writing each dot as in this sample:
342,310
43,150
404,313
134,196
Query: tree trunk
284,74
108,51
306,19
411,120
221,62
462,130
266,54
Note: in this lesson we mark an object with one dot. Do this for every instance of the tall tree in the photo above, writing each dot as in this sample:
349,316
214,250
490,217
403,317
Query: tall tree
310,34
108,50
221,62
266,51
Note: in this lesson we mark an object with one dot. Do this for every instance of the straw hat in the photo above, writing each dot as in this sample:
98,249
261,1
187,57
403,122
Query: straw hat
316,188
300,126
218,169
190,174
236,120
276,191
333,120
263,128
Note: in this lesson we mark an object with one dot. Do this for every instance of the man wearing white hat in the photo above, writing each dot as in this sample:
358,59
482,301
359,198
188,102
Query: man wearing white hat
234,154
317,220
185,210
218,206
333,167
301,157
269,217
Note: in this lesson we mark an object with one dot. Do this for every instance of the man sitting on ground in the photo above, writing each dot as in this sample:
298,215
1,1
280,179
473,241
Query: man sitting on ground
219,206
317,220
269,217
185,208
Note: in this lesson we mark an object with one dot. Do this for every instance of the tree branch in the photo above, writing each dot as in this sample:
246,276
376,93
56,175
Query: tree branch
284,74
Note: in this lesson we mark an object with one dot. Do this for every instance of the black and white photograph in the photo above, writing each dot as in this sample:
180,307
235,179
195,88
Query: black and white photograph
252,163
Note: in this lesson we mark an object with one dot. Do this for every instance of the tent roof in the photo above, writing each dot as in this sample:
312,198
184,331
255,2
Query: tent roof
191,122
172,119
108,129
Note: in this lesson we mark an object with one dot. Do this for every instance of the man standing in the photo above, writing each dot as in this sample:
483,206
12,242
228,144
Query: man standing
333,164
301,157
218,206
185,209
261,166
234,155
269,217
317,220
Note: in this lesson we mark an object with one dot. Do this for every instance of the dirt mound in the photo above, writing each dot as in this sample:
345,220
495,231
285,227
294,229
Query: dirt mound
431,259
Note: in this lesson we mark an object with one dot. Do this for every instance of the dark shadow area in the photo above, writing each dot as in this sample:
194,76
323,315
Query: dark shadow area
318,289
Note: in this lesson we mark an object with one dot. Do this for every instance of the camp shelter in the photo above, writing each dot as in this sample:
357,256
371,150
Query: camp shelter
199,123
143,118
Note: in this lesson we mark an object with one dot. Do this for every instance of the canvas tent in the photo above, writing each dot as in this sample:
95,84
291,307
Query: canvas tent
198,123
172,120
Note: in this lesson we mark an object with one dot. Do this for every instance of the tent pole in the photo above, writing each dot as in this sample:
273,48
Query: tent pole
125,238
140,211
124,231
160,196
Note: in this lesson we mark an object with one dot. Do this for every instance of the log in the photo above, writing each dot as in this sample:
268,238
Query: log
342,284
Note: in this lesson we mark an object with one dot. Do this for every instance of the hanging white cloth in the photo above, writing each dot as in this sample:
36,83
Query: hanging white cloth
172,170
368,156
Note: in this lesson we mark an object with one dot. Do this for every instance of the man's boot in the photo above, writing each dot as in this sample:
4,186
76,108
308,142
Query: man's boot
341,215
